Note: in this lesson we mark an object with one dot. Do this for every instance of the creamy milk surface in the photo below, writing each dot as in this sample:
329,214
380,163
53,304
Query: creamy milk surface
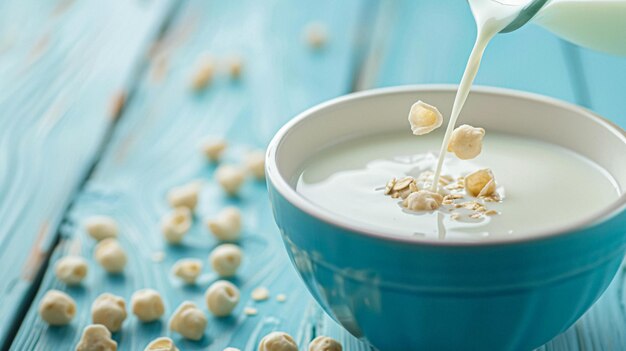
543,186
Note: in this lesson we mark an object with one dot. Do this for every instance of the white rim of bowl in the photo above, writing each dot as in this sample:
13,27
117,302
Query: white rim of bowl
292,196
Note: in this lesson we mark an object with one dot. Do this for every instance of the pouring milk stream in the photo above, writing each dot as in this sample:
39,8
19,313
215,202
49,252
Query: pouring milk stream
597,24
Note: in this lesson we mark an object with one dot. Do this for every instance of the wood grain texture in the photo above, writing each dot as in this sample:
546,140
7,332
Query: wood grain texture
60,64
154,147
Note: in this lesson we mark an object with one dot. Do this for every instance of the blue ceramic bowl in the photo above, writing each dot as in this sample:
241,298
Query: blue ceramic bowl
403,293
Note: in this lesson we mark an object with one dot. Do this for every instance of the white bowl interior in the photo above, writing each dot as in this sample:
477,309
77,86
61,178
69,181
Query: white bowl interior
497,110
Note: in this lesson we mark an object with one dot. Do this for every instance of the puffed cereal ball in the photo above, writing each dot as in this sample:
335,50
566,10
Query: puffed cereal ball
423,200
424,118
176,224
110,255
189,321
71,269
325,343
188,269
147,305
230,178
227,225
109,310
466,142
278,341
185,195
226,259
221,298
161,344
96,337
57,308
101,227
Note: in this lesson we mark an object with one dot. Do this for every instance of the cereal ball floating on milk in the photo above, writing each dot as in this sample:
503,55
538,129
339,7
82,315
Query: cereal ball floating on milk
110,255
221,298
226,259
230,178
227,225
147,305
278,341
189,321
161,344
188,269
109,310
101,227
213,148
466,142
423,200
325,343
184,195
176,224
424,118
96,337
71,270
480,183
57,308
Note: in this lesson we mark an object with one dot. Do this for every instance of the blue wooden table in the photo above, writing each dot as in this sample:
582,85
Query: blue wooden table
69,148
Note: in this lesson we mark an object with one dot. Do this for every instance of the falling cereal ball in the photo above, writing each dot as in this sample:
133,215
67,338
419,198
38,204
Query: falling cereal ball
466,142
424,118
278,341
325,343
57,308
96,337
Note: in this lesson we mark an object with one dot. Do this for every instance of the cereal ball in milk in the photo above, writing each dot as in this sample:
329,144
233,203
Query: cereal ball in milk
424,118
325,343
423,200
184,195
96,337
71,270
176,224
230,178
213,148
57,308
255,164
109,310
221,298
187,269
189,321
480,183
278,341
161,344
147,305
110,255
226,259
101,227
466,142
227,225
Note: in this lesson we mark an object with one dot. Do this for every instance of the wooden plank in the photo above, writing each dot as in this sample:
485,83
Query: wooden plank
61,63
155,148
429,42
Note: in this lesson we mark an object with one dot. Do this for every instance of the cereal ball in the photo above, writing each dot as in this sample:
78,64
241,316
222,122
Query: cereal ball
325,343
110,255
189,321
184,195
187,269
71,270
424,118
213,148
255,164
423,200
57,308
101,227
109,310
147,305
161,344
230,178
226,259
96,337
315,35
221,298
278,341
176,224
227,225
480,183
235,66
466,142
203,73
